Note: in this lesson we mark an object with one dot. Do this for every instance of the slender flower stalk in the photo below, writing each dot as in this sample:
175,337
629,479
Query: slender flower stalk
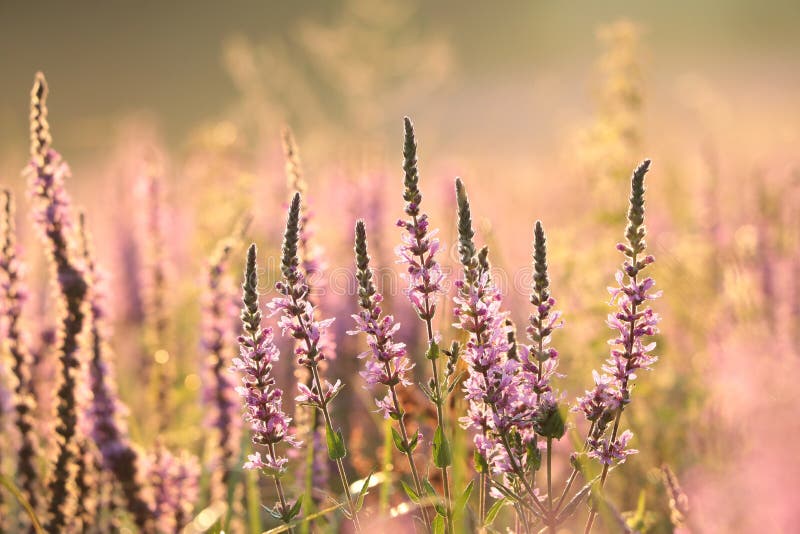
54,221
219,391
424,276
634,321
14,295
540,360
269,425
298,321
386,361
104,418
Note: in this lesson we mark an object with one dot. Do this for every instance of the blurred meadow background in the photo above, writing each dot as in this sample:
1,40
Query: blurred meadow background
171,114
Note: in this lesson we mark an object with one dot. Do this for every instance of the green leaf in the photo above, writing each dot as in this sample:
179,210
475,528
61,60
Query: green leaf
295,509
454,382
336,448
363,492
308,518
398,441
480,462
491,515
433,351
412,444
438,525
441,449
430,489
534,457
411,492
461,502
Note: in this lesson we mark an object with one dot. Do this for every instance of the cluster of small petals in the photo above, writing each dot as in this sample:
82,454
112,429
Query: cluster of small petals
604,396
497,402
607,452
298,321
220,400
47,182
540,360
175,481
266,463
633,323
309,395
423,273
385,361
263,400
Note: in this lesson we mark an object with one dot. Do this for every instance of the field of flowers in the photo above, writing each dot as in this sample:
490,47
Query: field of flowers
229,337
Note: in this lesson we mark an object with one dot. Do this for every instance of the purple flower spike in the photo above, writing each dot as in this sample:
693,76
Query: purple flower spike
269,425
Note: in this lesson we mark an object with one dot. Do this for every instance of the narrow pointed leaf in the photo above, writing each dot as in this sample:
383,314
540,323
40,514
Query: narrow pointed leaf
398,441
363,492
411,492
335,441
441,449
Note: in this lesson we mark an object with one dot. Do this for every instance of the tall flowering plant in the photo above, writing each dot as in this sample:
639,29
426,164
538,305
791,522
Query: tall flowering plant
12,299
633,323
425,278
505,410
298,320
269,424
308,423
514,409
386,360
54,220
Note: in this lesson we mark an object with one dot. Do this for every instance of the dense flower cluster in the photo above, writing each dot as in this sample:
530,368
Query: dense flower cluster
13,295
499,402
386,361
297,313
633,323
540,360
419,244
175,480
492,386
269,424
53,218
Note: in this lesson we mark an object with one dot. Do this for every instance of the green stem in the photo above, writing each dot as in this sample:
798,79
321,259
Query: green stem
339,464
574,473
323,406
279,487
408,452
439,401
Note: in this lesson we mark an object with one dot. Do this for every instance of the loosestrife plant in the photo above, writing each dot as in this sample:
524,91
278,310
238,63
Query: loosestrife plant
308,422
425,278
298,320
263,400
505,386
14,295
54,220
